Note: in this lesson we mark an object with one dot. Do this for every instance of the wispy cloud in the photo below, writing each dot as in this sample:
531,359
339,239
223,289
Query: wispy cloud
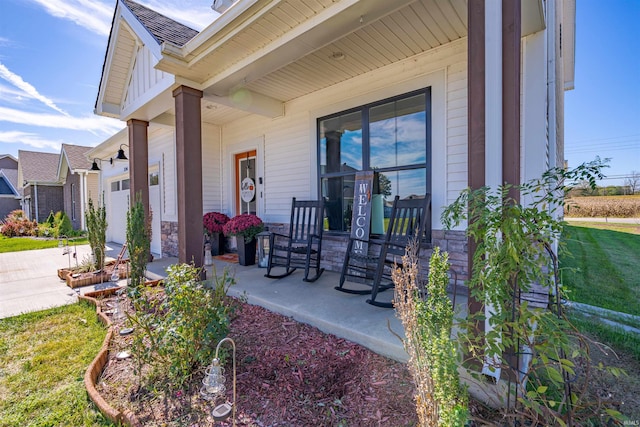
28,89
94,124
196,15
90,14
30,139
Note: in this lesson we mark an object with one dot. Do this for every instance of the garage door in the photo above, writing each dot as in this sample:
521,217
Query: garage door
118,205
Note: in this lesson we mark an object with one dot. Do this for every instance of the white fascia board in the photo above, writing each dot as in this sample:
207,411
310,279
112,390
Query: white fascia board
222,26
106,70
109,145
8,181
141,32
108,110
568,43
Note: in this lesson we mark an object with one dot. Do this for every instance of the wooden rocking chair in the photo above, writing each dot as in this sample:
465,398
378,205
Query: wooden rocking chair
302,247
373,267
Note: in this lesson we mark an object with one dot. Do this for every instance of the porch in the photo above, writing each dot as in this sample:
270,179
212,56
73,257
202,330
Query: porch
317,304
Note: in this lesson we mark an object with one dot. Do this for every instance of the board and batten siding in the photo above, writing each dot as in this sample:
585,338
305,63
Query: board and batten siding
290,164
211,170
145,81
162,153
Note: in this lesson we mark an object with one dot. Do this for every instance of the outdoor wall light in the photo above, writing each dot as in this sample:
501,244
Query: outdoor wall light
213,385
94,166
263,248
121,155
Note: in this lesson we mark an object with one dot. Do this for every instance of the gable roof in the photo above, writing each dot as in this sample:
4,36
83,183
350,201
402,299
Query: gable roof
9,178
76,156
38,167
162,28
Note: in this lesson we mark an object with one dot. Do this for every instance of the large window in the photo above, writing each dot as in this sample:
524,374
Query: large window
390,137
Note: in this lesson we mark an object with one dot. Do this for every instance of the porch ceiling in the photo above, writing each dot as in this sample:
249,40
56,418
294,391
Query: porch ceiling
289,48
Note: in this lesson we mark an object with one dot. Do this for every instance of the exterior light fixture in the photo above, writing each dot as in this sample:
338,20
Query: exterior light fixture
94,166
121,155
213,386
263,249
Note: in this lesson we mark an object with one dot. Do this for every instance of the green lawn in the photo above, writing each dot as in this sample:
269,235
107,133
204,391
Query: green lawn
43,358
601,267
15,244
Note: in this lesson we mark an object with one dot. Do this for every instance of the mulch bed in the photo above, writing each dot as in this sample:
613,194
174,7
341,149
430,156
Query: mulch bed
288,374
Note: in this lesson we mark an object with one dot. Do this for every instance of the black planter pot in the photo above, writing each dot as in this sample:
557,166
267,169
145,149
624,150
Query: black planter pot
217,241
246,251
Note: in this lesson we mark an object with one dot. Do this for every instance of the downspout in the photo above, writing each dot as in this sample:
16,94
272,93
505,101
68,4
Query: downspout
83,191
35,191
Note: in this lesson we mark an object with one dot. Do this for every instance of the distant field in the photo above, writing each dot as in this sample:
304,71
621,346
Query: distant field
603,207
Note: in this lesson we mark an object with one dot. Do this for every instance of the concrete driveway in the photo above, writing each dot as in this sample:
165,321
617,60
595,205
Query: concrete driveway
29,280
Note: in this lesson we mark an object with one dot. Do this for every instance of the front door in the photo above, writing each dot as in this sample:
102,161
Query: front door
245,165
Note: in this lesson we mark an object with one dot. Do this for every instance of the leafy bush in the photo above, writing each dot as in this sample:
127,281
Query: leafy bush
433,357
17,224
177,332
63,224
514,272
96,219
138,241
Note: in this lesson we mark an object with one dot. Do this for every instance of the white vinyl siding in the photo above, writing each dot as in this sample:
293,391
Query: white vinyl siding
290,165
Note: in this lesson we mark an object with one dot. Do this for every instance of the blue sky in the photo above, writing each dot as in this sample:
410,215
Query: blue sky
51,55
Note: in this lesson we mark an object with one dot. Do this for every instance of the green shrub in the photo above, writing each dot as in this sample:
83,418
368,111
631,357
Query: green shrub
62,224
177,332
17,224
433,356
138,241
96,219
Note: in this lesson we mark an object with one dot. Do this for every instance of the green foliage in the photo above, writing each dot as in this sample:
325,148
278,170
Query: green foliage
51,219
96,219
512,255
138,241
177,332
43,358
16,245
433,356
17,224
63,224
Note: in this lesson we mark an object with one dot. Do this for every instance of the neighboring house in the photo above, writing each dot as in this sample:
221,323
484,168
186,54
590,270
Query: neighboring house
57,182
9,189
79,183
434,95
41,188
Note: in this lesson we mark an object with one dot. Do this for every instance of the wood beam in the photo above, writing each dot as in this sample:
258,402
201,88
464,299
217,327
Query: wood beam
511,51
189,169
476,122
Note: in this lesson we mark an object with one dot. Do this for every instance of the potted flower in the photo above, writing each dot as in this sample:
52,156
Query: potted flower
245,227
213,223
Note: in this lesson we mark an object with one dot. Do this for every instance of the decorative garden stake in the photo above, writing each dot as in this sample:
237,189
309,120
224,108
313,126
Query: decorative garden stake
213,386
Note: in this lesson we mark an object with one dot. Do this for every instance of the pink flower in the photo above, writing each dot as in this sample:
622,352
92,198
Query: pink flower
213,222
245,225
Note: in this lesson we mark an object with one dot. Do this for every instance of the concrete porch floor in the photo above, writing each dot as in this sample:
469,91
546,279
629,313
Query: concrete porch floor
317,304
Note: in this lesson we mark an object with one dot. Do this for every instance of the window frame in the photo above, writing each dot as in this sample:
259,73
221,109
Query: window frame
366,147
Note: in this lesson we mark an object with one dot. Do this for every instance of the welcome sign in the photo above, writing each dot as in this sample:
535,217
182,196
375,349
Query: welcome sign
361,215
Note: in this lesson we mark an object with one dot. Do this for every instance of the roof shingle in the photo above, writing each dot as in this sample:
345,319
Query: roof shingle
162,28
39,167
77,156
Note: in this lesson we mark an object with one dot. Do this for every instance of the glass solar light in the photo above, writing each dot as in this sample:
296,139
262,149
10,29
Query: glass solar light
214,384
263,249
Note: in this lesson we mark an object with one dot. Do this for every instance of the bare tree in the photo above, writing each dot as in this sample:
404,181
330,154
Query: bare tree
633,181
